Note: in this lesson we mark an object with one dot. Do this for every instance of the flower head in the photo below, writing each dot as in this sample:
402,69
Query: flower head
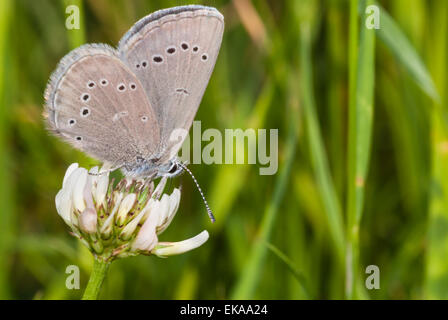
123,219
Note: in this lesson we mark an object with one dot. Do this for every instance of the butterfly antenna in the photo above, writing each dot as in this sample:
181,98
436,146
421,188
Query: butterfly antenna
209,211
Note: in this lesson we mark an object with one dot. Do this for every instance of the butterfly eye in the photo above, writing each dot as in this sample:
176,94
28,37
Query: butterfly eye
173,168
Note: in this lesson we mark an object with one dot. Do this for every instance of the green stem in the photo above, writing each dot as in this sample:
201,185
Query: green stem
361,86
319,158
352,234
96,280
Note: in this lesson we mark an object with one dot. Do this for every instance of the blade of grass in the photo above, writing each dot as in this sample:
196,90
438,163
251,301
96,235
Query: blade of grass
76,37
230,179
6,188
335,104
359,141
351,152
295,244
317,150
298,275
436,277
392,36
248,280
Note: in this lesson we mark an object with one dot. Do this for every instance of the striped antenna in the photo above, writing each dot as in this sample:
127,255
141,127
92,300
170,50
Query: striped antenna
209,211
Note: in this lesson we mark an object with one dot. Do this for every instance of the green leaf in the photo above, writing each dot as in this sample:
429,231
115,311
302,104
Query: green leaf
359,145
290,265
250,276
395,39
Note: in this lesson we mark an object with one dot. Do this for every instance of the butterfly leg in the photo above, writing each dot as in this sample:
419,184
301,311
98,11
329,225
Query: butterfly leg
107,171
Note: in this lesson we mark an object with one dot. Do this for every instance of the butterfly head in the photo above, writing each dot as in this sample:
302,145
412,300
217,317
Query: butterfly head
172,169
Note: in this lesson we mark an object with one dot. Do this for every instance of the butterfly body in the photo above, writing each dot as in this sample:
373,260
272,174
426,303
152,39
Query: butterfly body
122,106
152,168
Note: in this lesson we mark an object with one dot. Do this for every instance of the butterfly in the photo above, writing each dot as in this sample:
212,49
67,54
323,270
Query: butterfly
122,106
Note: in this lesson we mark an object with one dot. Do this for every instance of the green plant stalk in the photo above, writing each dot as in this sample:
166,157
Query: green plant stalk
317,150
248,281
359,137
76,37
336,91
298,275
96,279
436,273
395,39
229,180
353,67
6,185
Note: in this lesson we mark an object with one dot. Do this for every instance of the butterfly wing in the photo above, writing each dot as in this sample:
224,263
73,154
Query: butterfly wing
173,53
94,102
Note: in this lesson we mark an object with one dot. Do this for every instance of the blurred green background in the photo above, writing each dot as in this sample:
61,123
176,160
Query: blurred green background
363,146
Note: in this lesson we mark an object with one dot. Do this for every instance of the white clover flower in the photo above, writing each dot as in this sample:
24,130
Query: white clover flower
121,220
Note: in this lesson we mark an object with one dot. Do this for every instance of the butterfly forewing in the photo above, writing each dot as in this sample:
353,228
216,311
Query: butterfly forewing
173,53
97,104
